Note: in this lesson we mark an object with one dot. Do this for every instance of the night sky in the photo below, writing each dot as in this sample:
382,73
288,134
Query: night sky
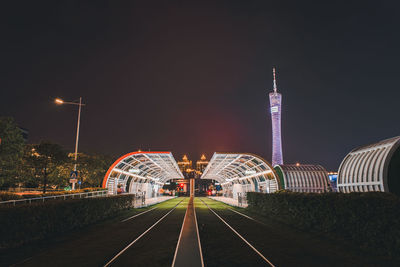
194,76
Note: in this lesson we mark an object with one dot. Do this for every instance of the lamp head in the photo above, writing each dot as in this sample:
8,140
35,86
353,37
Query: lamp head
59,101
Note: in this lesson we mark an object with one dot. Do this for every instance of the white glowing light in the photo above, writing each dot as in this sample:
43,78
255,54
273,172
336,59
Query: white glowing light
250,172
133,170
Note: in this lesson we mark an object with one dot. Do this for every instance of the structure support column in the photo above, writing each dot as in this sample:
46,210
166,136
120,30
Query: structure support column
191,181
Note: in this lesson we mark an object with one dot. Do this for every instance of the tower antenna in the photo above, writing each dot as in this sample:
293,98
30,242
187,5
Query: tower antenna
275,88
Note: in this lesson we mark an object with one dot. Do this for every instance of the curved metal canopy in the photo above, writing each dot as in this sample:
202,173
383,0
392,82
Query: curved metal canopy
231,168
142,167
368,168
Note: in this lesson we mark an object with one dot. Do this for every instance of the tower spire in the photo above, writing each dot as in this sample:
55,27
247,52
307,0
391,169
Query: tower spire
275,88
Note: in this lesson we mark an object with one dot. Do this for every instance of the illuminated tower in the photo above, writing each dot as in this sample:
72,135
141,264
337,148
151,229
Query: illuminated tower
275,100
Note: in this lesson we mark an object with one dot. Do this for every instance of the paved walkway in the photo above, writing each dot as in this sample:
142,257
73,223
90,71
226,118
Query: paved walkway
152,201
188,249
229,201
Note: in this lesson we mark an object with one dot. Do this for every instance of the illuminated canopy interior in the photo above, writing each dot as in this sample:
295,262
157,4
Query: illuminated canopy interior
141,172
239,172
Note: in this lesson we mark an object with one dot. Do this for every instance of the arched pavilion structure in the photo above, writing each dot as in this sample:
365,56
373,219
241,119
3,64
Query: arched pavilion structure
141,172
239,173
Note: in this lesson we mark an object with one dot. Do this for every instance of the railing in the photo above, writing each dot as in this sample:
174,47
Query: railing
242,199
101,193
24,189
140,199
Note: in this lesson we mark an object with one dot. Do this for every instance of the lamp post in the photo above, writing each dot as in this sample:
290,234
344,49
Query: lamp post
62,102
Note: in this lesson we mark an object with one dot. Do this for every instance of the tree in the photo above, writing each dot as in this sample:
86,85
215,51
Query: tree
46,158
11,151
92,168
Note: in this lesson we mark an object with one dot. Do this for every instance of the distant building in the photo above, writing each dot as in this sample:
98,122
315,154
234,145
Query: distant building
202,185
275,100
201,164
333,179
373,167
185,164
303,178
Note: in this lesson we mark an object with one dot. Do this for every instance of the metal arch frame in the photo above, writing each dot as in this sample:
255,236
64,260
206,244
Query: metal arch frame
303,178
229,168
156,167
365,168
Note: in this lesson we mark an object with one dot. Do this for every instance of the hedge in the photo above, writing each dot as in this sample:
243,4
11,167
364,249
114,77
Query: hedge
370,220
4,196
25,223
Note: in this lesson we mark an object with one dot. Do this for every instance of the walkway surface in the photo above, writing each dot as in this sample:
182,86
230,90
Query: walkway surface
154,200
229,201
188,249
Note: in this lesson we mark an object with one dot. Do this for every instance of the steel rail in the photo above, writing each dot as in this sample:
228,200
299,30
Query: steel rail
246,216
179,239
180,236
140,236
198,234
136,215
239,235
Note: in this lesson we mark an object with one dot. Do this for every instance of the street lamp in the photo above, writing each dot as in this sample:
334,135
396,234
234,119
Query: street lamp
59,101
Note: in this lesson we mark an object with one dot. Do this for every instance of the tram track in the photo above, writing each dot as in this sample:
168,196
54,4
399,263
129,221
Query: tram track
138,238
285,245
137,215
150,236
98,243
188,250
246,216
265,260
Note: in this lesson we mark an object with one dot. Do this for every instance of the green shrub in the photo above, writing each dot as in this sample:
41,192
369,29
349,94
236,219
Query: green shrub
371,220
25,223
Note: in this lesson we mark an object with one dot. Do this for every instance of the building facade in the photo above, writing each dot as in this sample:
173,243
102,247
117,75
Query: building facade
275,100
185,164
303,178
373,167
201,164
333,179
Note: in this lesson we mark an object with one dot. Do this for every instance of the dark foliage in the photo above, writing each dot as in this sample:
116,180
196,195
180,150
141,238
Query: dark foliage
25,223
4,196
370,220
45,157
11,152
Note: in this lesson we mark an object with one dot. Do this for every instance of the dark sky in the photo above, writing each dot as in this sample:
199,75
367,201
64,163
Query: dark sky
194,76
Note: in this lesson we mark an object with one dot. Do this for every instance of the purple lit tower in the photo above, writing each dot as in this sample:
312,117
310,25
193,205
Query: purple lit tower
275,100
